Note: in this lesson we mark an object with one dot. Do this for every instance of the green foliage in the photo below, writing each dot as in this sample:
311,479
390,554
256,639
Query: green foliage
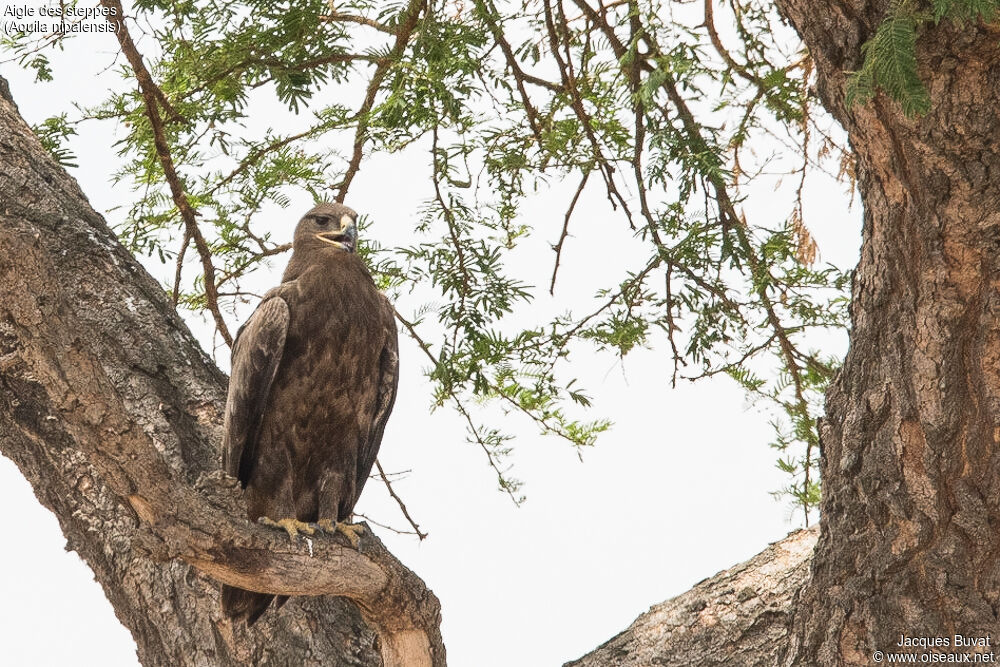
263,104
961,11
890,63
890,57
28,54
53,132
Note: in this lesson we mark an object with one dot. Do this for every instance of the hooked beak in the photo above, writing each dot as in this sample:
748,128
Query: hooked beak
345,239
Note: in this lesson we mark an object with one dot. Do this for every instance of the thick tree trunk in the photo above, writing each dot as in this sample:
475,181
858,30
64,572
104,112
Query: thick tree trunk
911,465
113,413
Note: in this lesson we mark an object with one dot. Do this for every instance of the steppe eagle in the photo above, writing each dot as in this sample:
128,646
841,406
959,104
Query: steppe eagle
314,376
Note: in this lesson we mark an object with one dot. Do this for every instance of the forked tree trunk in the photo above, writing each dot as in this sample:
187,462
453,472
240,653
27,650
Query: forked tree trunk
112,412
911,439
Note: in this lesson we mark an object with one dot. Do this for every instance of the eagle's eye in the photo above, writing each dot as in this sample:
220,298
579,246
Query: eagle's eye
322,220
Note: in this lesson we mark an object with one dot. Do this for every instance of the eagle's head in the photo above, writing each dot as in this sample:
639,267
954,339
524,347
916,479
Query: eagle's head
332,224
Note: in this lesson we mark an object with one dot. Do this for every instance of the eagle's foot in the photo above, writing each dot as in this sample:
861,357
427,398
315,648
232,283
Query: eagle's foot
352,531
290,526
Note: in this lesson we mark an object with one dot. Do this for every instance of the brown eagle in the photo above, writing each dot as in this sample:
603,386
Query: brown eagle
314,375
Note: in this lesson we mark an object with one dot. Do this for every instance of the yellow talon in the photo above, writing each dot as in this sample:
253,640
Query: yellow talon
290,526
352,531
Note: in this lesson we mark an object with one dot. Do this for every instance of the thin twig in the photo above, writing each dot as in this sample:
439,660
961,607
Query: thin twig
806,246
713,36
565,230
387,526
256,154
520,76
399,501
337,17
274,63
180,267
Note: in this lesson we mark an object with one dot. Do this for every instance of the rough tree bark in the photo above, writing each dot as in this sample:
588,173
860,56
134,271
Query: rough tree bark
113,413
740,617
911,464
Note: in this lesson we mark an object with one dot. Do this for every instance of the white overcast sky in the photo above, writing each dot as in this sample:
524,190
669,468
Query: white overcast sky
675,492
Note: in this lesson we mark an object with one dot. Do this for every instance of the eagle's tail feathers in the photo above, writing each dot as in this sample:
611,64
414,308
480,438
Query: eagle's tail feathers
240,604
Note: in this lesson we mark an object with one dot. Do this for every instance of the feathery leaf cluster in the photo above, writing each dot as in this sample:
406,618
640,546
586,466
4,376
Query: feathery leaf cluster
890,56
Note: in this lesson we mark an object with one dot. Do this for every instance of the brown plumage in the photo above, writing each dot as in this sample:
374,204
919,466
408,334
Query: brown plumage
314,377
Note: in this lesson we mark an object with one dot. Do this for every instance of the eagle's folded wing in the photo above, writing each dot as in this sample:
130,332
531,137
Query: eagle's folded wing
257,353
384,399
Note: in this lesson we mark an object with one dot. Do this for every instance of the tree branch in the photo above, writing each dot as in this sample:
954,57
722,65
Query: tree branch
149,91
405,31
741,616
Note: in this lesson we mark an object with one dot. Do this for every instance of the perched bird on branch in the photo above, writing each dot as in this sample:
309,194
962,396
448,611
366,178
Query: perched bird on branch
314,375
